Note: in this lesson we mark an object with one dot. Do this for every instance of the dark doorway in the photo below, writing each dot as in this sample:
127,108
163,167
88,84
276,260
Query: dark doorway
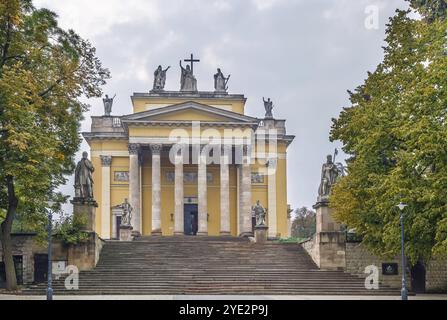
191,219
418,278
40,268
18,263
118,226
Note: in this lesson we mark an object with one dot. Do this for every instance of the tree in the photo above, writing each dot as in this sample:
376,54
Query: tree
395,131
44,71
304,224
430,9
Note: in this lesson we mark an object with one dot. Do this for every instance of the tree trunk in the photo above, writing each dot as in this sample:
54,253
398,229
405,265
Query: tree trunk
5,237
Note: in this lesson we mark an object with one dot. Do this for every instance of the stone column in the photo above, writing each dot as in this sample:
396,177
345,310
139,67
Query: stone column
179,228
225,227
106,162
156,189
203,196
272,216
134,186
245,214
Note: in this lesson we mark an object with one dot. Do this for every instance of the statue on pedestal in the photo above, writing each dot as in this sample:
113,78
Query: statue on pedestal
160,78
108,103
126,219
268,105
260,213
220,81
84,178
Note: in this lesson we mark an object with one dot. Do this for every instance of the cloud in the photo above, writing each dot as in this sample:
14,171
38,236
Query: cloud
93,18
265,4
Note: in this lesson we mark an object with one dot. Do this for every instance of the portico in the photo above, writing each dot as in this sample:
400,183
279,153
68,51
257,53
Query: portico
143,156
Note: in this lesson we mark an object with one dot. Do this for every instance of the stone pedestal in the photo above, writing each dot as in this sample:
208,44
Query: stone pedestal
329,247
261,234
325,222
84,211
126,233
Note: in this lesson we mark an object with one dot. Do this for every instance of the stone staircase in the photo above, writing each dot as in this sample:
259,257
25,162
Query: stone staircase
209,266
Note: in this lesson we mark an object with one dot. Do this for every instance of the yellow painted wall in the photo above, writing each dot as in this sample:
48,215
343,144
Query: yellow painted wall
141,104
189,115
159,131
111,145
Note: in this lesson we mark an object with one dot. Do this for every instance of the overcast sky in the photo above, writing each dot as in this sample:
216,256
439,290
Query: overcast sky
303,54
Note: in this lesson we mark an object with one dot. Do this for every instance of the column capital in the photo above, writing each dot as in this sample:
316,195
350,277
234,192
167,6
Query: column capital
156,149
106,161
134,148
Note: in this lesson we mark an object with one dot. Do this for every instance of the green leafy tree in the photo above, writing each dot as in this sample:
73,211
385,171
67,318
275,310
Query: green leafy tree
395,131
69,229
304,223
44,71
430,9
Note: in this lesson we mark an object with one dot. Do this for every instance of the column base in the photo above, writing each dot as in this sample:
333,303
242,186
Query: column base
156,233
225,233
202,234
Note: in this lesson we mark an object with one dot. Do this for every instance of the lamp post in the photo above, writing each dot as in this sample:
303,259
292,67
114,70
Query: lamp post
50,250
404,291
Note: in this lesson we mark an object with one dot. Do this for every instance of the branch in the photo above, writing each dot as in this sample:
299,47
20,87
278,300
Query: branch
7,42
50,88
54,85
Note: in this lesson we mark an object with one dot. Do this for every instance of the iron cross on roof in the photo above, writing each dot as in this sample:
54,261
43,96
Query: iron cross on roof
192,60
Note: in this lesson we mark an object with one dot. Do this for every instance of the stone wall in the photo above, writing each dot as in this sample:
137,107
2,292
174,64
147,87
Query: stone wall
436,275
358,258
22,245
85,256
309,246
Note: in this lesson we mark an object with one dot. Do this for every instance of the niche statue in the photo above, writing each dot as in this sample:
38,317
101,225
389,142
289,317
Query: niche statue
126,219
259,212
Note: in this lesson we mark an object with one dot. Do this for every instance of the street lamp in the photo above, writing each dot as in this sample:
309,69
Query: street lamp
50,250
404,291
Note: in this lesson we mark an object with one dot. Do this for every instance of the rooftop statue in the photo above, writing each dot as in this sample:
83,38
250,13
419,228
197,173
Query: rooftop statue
221,82
108,103
187,81
268,105
84,178
160,78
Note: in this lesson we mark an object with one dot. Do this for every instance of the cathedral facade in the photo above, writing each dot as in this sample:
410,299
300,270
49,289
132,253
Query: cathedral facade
189,163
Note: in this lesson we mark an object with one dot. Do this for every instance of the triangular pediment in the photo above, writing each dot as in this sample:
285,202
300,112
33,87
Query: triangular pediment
189,111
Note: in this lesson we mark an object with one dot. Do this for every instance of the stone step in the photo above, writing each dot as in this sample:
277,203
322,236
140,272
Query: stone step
209,265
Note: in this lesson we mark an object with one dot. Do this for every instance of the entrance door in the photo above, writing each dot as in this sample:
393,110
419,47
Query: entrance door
40,268
118,226
191,219
418,278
